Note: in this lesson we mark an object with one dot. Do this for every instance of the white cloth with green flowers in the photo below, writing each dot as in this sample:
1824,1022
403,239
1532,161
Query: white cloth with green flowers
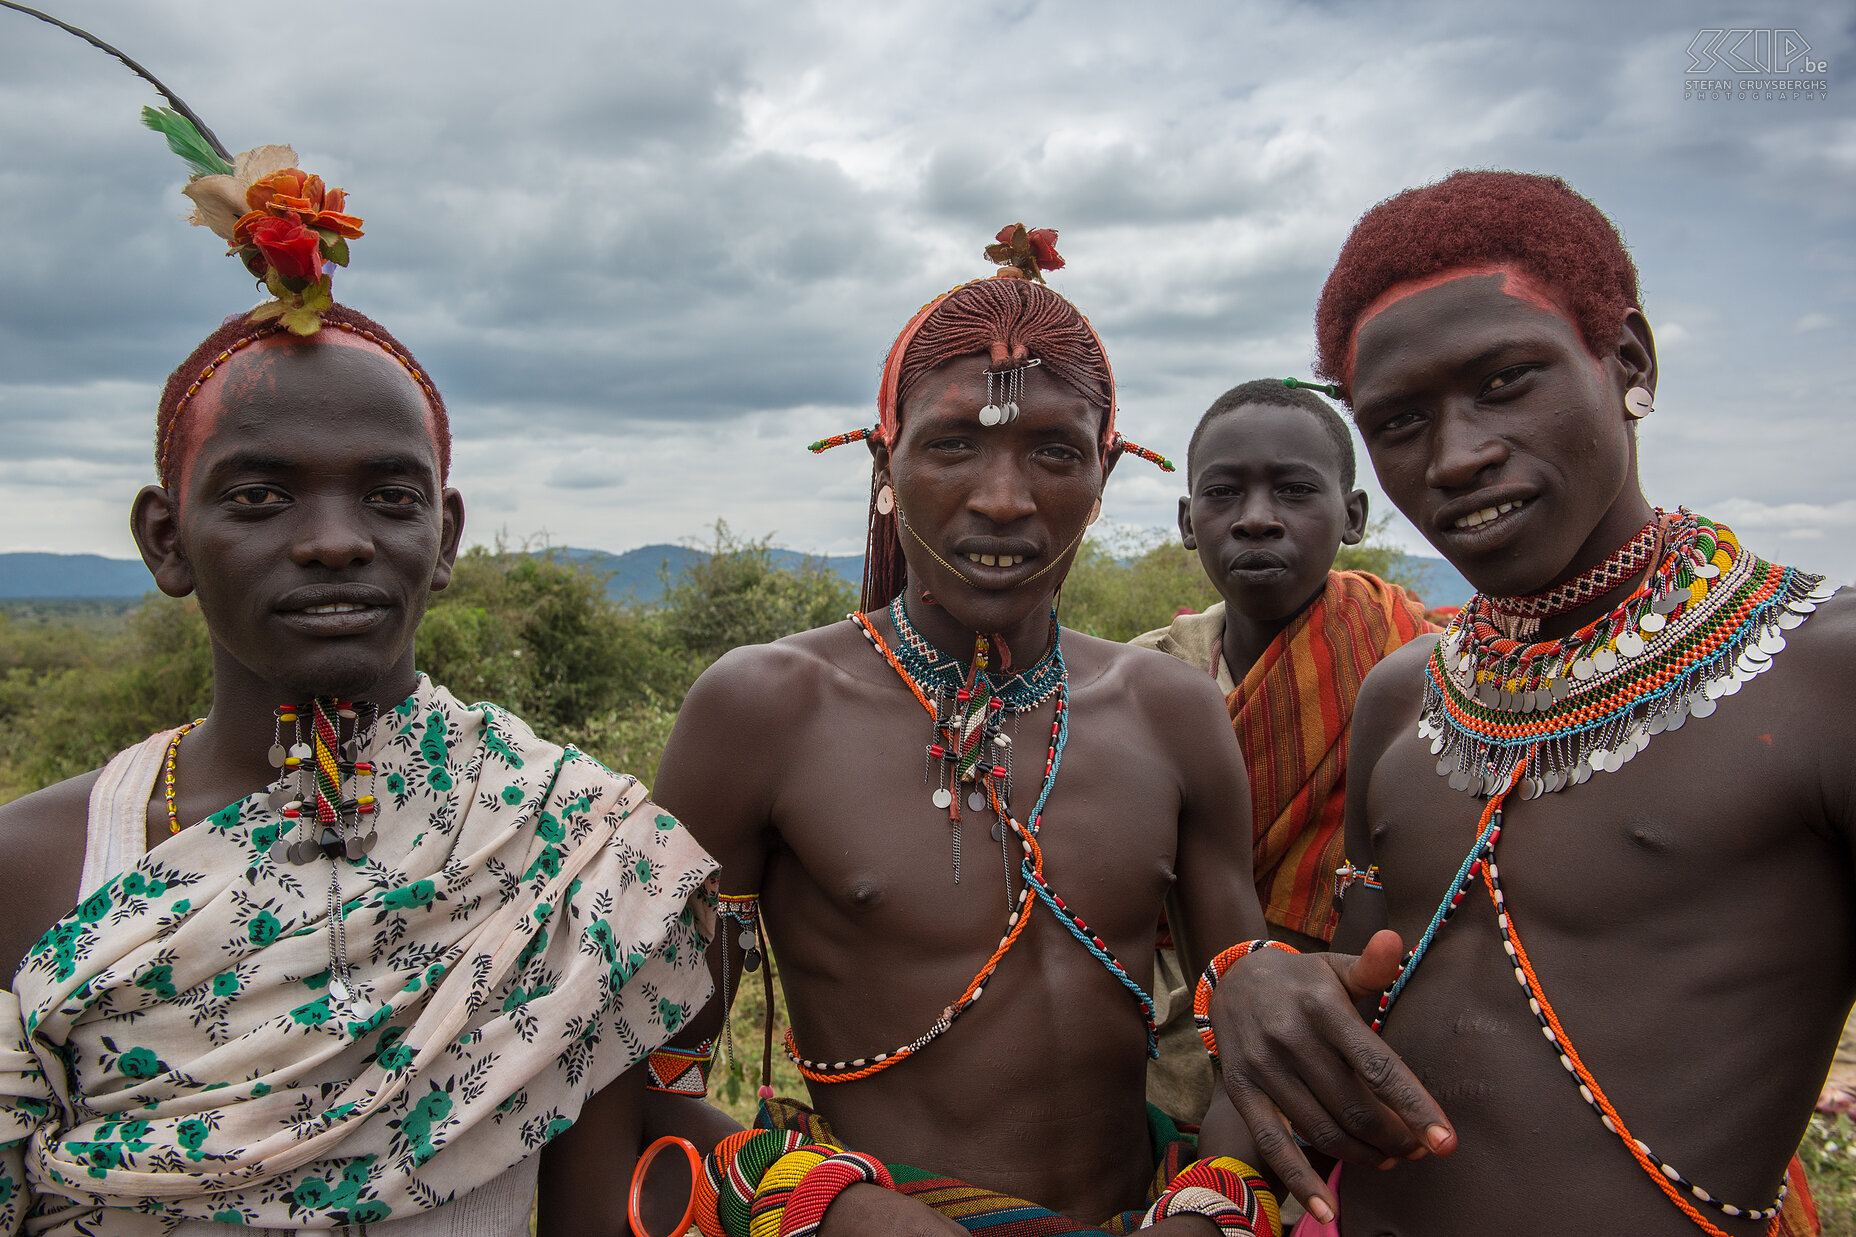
528,927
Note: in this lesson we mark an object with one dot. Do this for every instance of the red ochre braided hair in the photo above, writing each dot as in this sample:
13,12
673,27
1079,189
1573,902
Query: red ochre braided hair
1010,317
1534,224
177,438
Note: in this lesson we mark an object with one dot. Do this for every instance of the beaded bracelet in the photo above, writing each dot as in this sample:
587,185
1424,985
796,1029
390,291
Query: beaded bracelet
1237,1183
1197,1200
1208,982
776,1185
805,1210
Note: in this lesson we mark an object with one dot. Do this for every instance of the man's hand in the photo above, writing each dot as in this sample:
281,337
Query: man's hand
1294,1050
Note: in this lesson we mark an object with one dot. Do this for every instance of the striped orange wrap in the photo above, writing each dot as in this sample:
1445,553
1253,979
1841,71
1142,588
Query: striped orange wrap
1292,714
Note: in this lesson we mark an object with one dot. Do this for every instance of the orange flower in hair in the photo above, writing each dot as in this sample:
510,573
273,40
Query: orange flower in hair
302,197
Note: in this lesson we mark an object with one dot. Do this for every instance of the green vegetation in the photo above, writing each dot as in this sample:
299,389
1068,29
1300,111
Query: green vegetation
535,633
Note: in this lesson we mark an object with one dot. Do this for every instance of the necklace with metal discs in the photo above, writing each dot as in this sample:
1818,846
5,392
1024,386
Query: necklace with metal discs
969,750
1708,618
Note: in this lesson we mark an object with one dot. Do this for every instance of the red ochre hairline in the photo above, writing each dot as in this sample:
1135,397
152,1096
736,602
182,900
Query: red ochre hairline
1516,282
185,434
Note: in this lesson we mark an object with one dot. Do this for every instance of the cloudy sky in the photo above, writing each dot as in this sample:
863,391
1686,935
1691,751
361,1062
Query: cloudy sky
649,251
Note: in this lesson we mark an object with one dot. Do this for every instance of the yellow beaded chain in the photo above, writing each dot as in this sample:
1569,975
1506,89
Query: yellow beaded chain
167,776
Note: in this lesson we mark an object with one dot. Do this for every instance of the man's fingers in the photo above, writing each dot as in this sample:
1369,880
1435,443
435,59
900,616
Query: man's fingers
1373,971
1357,1128
1277,1145
1394,1086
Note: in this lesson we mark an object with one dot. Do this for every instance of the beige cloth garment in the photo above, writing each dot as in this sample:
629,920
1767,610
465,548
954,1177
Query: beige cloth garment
115,839
177,1049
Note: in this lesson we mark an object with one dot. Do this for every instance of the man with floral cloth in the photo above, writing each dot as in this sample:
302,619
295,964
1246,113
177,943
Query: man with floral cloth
346,953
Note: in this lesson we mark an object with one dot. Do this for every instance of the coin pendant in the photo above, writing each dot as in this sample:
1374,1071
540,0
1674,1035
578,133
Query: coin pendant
977,801
1604,661
276,755
942,798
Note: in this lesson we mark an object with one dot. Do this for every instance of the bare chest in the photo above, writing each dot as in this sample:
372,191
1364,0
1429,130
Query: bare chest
864,839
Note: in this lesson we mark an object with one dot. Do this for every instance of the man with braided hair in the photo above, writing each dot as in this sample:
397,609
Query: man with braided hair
345,953
1610,810
949,797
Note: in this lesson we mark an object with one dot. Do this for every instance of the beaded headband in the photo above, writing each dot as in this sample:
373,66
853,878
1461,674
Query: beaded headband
262,331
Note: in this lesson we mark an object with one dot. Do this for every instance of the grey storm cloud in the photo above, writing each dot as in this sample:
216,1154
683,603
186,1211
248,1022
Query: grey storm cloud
649,251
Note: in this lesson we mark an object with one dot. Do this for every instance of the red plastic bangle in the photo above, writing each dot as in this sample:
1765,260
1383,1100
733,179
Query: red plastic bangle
644,1164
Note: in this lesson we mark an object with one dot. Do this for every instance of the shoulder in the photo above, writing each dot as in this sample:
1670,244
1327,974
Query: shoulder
47,819
42,836
1394,689
1827,640
760,677
1165,694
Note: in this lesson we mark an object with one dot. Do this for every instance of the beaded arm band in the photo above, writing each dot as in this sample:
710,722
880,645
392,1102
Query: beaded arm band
1208,982
681,1071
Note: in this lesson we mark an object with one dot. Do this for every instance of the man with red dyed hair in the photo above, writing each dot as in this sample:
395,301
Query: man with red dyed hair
1606,889
346,953
951,796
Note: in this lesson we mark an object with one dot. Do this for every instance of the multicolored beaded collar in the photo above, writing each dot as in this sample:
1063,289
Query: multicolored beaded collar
1707,619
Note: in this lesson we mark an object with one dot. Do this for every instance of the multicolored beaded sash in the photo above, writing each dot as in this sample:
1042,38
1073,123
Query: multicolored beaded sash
1708,619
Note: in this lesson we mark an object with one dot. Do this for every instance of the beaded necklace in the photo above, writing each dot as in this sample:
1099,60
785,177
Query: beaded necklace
1714,615
167,774
1707,619
1031,868
1518,618
968,740
320,756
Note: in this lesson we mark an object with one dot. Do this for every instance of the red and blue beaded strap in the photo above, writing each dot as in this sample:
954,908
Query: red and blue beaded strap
1032,870
1481,862
1671,1181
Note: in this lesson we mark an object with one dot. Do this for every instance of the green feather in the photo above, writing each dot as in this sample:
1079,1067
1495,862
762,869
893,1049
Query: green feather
185,140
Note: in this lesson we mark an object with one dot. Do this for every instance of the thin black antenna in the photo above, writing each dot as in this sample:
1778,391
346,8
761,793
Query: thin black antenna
173,99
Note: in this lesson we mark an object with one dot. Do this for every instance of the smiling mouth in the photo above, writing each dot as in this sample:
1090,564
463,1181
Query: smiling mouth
1488,514
996,560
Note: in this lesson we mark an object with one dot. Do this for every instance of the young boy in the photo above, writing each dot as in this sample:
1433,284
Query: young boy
1270,470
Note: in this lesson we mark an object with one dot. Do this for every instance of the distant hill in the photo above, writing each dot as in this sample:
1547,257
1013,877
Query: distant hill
58,577
636,575
1439,584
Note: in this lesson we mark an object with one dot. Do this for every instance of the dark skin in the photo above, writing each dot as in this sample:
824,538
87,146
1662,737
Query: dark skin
316,485
798,765
1691,916
1267,513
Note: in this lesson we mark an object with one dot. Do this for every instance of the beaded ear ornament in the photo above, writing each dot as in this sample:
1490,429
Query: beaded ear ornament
285,225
